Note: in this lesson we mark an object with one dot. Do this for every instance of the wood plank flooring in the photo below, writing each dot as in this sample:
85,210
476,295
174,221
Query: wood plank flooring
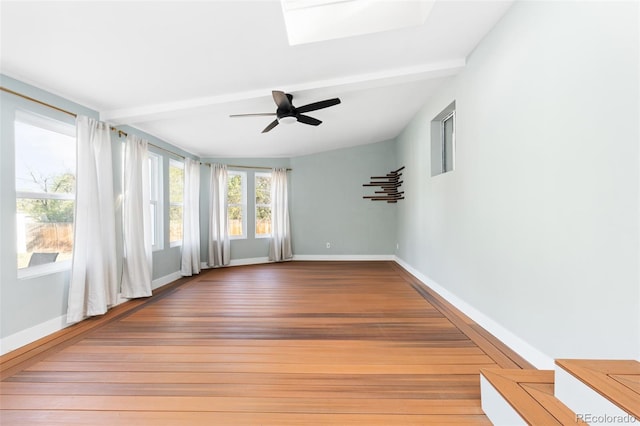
293,343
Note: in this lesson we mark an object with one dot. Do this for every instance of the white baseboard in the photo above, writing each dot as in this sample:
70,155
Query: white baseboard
249,261
343,257
24,337
167,279
30,335
238,262
534,356
309,257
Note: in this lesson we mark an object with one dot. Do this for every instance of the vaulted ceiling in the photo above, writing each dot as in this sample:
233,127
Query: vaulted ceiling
178,69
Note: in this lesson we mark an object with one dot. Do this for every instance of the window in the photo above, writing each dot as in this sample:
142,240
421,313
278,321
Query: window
237,204
176,201
45,174
263,205
443,137
155,197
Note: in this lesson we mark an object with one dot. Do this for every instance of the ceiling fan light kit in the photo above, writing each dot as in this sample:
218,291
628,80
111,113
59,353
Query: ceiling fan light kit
289,119
288,114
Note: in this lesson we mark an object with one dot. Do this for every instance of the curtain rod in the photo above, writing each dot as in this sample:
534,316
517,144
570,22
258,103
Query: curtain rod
250,167
120,132
73,114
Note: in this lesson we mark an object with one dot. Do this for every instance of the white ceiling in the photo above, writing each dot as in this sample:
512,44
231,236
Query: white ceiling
177,69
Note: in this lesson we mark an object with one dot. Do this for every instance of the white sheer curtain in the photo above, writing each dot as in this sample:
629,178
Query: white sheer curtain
136,274
94,280
219,245
191,219
280,244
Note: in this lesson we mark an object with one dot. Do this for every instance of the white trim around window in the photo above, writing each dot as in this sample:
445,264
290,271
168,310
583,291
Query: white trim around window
155,198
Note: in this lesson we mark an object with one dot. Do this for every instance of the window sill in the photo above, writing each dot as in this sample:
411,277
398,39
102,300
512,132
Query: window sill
42,270
175,244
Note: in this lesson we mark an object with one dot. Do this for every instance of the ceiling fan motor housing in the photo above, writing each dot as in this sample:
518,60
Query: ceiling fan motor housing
287,115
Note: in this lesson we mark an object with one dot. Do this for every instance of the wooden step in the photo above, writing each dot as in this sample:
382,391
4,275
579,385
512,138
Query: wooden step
530,393
616,380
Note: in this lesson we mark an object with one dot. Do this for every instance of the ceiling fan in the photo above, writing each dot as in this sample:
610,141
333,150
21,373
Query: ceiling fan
287,113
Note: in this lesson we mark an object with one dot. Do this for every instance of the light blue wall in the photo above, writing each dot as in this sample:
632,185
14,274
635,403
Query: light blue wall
327,203
537,227
331,209
167,260
28,302
246,248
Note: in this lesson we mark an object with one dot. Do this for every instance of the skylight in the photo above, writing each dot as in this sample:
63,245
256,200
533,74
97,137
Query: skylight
311,21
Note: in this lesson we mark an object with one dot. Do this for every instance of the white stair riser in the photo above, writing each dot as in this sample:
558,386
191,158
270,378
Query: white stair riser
496,408
588,404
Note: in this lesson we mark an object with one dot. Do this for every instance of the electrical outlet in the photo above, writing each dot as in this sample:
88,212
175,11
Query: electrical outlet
328,245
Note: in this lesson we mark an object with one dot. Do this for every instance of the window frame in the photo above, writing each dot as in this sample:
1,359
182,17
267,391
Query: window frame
448,147
242,204
57,126
256,205
179,165
443,150
156,200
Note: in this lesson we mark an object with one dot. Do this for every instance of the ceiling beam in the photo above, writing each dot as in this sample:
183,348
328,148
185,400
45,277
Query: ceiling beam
348,83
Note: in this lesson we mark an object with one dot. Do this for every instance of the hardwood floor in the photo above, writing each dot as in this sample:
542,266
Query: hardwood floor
293,343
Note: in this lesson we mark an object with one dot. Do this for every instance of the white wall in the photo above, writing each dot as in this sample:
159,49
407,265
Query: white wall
537,228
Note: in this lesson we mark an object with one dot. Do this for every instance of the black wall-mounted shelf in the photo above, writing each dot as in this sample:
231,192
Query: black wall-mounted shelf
389,186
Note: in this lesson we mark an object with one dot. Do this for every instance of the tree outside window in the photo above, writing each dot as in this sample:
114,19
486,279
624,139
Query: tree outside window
45,187
176,201
236,204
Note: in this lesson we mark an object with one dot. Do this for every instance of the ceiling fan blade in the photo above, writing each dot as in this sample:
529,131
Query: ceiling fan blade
258,114
273,124
282,100
318,105
308,120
